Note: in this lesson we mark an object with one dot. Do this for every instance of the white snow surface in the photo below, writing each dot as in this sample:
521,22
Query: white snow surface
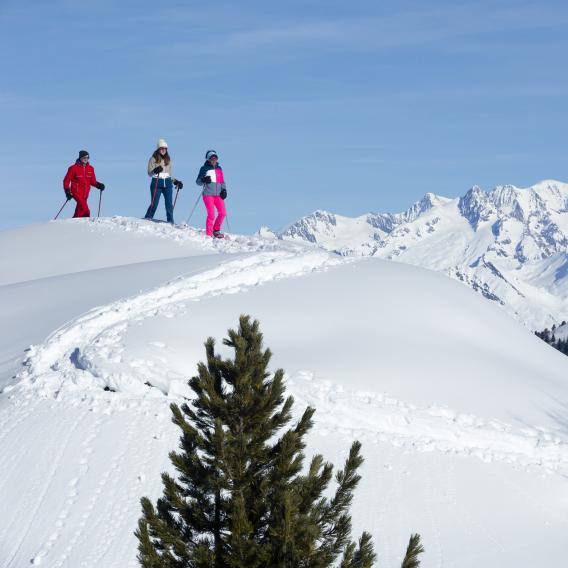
461,410
509,244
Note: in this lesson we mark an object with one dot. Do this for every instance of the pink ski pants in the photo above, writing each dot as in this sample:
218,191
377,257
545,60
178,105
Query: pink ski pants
213,202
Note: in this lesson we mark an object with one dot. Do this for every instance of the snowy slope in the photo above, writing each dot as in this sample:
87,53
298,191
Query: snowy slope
460,409
509,244
60,270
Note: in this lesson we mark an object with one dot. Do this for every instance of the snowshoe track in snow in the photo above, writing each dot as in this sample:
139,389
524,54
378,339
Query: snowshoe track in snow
62,363
183,233
375,417
82,358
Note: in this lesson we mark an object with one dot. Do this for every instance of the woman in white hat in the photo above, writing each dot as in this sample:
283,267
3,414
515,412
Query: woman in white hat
160,170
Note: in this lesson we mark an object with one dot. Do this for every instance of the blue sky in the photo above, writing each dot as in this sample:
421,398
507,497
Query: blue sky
343,106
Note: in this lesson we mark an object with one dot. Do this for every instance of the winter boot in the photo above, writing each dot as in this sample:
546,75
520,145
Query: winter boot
218,235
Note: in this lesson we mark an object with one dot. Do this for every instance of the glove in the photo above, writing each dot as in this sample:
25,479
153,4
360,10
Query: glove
178,184
207,179
68,194
100,186
223,194
157,170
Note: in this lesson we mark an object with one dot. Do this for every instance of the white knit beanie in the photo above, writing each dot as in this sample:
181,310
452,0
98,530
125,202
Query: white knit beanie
162,144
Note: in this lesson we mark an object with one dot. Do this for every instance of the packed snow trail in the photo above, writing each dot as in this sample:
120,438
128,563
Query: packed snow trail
185,235
58,365
375,417
85,357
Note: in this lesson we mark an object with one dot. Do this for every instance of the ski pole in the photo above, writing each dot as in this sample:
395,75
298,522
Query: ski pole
227,221
193,210
66,201
100,198
175,200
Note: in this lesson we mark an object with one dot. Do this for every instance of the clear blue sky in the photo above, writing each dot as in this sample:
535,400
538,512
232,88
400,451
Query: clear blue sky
314,104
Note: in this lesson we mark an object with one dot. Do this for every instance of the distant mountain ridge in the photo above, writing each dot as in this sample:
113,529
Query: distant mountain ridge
510,244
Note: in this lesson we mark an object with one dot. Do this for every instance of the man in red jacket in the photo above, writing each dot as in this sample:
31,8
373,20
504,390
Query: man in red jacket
78,181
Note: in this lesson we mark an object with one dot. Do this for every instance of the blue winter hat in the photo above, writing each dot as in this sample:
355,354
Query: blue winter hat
210,153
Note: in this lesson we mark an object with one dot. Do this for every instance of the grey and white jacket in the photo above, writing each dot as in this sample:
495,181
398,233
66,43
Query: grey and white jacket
217,179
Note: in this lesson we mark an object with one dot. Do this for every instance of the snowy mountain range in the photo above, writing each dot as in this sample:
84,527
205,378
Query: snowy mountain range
509,244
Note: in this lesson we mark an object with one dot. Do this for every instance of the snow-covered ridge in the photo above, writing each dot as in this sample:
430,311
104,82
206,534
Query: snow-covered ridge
510,244
85,358
462,420
181,234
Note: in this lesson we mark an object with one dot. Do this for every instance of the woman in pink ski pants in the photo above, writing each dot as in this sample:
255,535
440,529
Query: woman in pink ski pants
212,180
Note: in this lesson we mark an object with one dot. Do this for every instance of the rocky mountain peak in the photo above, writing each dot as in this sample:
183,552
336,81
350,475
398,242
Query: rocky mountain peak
307,227
504,195
475,206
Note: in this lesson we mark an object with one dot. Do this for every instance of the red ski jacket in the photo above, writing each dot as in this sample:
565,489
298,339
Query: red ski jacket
79,179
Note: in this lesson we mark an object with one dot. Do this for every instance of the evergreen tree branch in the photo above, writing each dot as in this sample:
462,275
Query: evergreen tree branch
413,550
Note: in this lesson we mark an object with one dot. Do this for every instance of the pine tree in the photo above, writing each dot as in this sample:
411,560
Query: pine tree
240,498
